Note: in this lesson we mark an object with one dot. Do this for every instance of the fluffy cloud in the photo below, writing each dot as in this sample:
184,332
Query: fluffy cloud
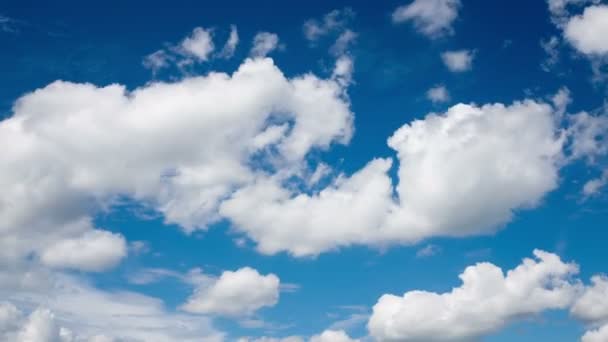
486,301
458,61
95,250
198,45
592,308
560,9
79,148
432,18
597,335
438,94
493,159
264,43
587,32
235,293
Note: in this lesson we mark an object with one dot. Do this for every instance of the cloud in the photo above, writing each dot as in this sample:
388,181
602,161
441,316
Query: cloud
230,46
551,48
487,300
593,186
157,60
584,31
438,94
198,45
264,43
433,18
596,335
95,250
104,316
332,336
235,293
480,153
145,144
458,61
334,21
560,9
428,251
592,308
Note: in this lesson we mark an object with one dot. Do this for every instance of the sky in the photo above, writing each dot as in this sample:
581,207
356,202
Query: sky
321,171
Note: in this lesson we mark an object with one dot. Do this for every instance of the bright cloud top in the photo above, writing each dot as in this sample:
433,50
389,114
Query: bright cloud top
487,300
235,293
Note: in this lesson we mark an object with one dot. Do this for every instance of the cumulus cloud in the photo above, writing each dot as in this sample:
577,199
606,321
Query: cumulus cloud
560,9
95,250
438,94
235,293
484,177
458,61
586,32
264,43
592,308
433,18
146,144
487,300
551,48
596,335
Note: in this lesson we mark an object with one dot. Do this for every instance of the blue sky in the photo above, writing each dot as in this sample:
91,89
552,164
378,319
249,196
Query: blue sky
320,171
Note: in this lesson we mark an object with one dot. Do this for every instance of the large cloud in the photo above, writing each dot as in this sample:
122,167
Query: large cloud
180,148
461,173
73,305
487,300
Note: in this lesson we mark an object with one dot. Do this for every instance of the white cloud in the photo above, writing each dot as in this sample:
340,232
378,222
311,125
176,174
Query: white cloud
72,305
487,300
592,306
332,336
458,61
235,293
95,250
264,43
433,18
146,144
199,44
40,327
494,159
438,94
271,339
596,335
560,9
230,46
